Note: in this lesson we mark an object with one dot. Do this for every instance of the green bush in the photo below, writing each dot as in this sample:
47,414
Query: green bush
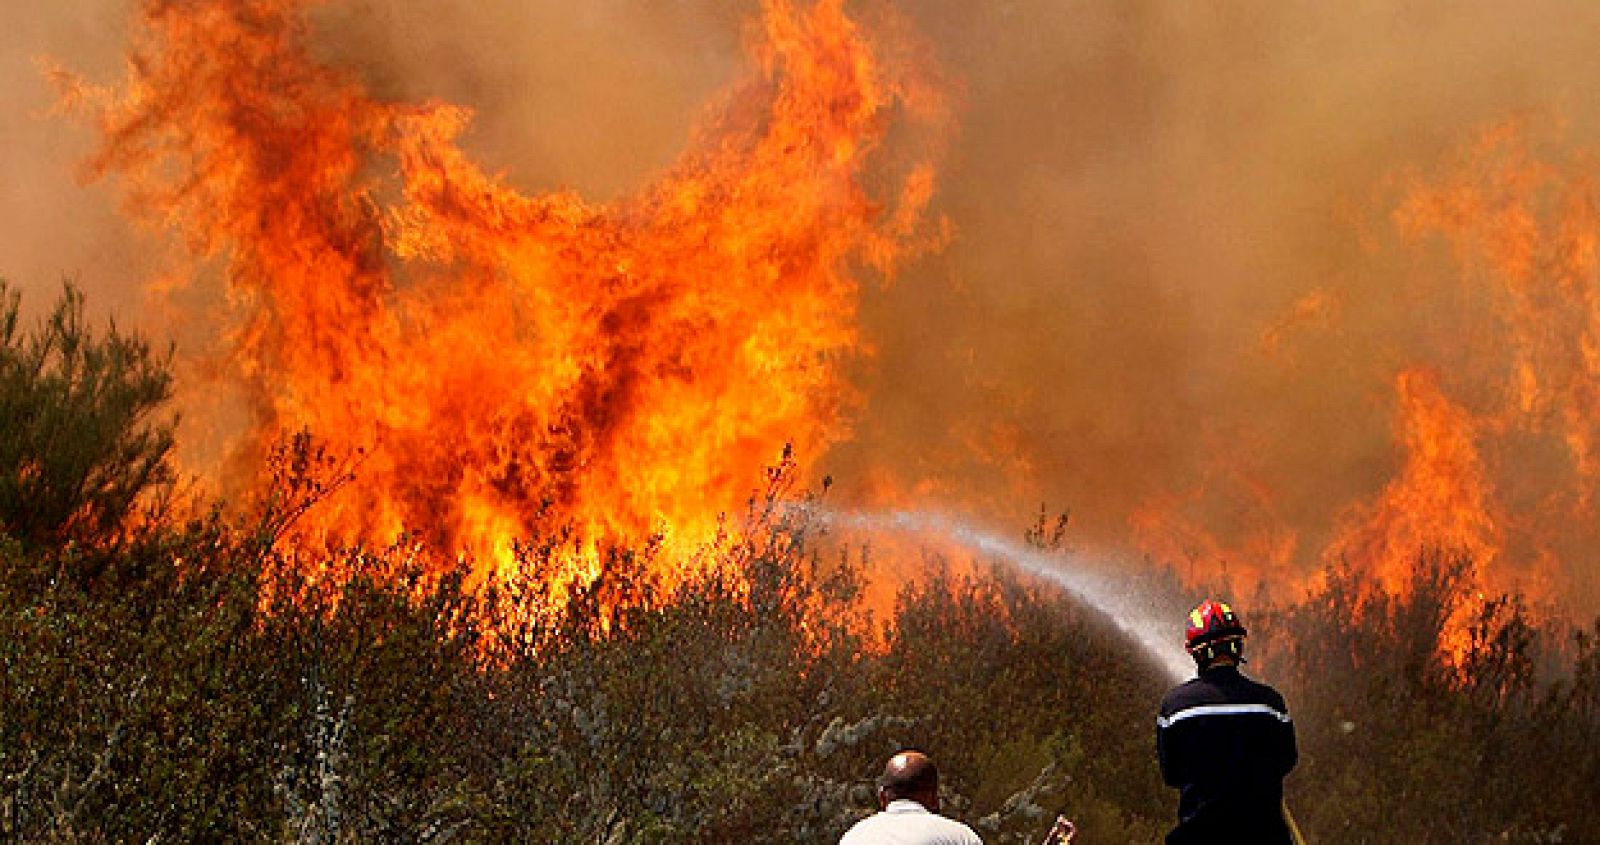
82,439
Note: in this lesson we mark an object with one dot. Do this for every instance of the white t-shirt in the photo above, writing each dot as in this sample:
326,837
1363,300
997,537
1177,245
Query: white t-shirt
905,822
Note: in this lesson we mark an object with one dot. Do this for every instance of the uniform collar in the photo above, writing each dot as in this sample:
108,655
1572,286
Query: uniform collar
905,805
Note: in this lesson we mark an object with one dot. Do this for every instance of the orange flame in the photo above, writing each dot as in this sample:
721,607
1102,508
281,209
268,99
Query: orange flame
1230,520
1498,410
1525,231
1441,497
506,363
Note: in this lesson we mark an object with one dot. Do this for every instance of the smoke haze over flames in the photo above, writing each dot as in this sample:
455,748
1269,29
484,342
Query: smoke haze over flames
1247,287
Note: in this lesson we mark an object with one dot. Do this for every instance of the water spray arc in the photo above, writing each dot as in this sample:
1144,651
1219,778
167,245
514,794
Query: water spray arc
1133,610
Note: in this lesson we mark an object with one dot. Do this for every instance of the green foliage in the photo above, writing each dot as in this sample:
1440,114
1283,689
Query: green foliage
81,441
125,702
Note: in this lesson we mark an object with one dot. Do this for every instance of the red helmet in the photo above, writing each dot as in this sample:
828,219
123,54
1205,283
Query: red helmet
1214,629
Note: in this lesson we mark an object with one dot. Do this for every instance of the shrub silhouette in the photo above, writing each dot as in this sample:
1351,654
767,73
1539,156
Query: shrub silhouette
82,441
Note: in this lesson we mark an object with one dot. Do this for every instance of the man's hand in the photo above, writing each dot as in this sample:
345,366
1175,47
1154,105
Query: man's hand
1063,832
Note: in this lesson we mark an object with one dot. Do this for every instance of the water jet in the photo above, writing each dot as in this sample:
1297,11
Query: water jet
1134,609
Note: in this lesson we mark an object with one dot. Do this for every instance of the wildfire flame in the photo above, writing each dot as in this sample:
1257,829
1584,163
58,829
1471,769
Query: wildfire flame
1501,434
1230,519
498,364
1442,496
505,363
1496,409
1523,230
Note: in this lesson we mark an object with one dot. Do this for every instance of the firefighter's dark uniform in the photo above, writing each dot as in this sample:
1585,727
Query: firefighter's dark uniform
1227,743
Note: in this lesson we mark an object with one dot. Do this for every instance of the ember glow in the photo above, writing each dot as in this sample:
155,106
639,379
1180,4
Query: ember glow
496,363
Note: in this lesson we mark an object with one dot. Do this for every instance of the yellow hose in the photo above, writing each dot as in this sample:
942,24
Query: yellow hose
1294,829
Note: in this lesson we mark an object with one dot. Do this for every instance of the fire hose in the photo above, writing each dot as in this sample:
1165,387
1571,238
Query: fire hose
1294,829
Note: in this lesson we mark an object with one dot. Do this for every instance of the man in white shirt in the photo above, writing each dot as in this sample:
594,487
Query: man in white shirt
909,796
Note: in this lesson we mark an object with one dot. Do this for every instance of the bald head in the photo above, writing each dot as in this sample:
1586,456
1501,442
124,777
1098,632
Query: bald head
910,774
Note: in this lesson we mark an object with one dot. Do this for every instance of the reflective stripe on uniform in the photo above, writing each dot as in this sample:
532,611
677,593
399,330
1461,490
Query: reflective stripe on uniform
1220,710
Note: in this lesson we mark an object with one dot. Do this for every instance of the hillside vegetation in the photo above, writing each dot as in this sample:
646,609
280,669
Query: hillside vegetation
169,676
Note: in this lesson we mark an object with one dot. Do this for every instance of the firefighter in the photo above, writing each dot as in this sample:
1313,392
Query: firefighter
1225,741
